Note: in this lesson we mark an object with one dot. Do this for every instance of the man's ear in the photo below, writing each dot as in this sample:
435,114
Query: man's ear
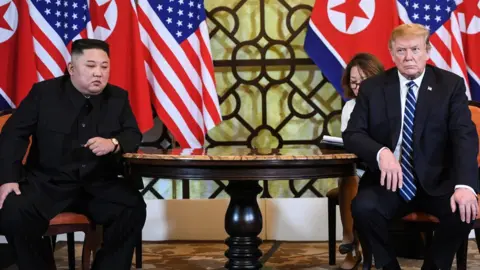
70,68
392,54
429,48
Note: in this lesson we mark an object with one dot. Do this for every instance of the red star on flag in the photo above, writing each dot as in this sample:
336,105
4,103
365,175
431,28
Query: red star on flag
469,11
97,14
351,9
3,23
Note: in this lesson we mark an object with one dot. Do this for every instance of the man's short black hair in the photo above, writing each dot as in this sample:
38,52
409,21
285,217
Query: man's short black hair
79,45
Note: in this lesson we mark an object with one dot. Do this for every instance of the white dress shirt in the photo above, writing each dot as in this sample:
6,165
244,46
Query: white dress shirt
403,100
346,112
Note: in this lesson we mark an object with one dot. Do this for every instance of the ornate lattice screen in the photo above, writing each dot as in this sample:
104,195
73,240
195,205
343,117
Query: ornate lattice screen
271,93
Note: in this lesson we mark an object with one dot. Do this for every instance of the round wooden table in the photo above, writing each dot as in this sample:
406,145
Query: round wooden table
243,167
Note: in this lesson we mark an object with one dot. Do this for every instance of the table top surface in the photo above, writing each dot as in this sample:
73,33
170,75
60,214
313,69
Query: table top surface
231,153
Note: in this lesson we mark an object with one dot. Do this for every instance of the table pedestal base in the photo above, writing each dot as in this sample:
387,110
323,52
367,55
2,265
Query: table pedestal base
243,223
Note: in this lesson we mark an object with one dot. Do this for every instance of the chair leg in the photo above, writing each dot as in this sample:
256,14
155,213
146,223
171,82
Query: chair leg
53,240
332,235
93,240
138,252
71,250
47,250
462,255
477,238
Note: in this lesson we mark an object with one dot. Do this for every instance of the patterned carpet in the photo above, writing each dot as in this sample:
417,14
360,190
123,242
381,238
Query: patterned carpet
278,255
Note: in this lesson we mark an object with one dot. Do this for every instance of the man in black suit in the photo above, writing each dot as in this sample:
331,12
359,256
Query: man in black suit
79,126
413,127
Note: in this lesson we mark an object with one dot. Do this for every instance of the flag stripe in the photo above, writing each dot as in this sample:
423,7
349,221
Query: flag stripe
173,96
172,65
327,44
442,49
168,106
446,52
439,61
43,43
42,70
48,31
39,77
162,72
203,36
169,123
168,90
180,62
193,84
445,34
455,32
6,99
474,76
46,59
210,97
155,25
195,56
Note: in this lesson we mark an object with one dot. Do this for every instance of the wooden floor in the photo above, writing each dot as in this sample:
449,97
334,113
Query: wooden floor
277,255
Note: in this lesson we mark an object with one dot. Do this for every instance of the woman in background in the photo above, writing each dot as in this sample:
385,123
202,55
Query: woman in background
362,66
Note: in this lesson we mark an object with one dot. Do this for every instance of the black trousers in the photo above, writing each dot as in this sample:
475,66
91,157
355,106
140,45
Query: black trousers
375,206
23,225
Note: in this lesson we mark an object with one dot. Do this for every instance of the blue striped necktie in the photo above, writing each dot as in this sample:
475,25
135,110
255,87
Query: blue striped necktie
408,189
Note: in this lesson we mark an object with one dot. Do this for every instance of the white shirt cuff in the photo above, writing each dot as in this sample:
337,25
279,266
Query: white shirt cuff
465,186
378,155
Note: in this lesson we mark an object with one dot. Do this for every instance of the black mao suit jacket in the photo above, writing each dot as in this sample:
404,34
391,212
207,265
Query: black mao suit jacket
51,177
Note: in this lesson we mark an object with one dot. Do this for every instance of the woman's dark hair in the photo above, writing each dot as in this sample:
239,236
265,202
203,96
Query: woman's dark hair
368,63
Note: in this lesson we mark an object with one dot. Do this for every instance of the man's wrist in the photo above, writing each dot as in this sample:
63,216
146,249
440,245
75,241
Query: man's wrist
116,145
467,187
378,154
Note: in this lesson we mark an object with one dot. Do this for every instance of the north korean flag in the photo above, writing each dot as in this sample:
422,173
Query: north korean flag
338,29
469,20
17,64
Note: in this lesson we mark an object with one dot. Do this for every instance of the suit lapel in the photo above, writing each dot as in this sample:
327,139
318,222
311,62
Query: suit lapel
392,101
425,101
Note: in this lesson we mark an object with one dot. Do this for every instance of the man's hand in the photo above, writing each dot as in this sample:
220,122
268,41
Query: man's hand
5,189
467,204
391,172
100,146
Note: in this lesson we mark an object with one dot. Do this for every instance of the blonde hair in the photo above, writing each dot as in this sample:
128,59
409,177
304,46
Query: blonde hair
410,30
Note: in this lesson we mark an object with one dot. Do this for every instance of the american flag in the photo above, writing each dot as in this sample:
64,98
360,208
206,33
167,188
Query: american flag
179,67
55,24
439,17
